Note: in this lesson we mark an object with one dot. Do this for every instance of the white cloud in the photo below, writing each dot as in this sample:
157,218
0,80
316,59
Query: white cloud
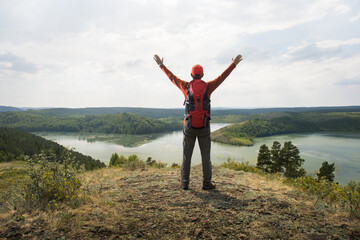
91,53
342,9
355,18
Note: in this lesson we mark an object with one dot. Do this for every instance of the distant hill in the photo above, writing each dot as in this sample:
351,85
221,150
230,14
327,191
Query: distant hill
145,112
14,143
121,123
179,112
10,109
222,112
171,112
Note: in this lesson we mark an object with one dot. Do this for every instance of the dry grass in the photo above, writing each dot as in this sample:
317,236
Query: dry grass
149,204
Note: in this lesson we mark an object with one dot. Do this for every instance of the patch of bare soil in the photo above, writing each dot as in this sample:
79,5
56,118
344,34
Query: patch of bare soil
151,205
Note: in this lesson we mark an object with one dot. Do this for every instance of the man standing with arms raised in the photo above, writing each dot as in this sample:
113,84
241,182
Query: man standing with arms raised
197,117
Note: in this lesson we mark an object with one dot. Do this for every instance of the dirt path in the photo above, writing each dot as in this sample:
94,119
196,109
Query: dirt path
150,205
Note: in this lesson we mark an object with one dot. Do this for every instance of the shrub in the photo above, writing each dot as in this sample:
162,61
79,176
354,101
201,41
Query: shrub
133,162
116,161
175,165
150,161
353,196
346,196
159,164
51,182
327,171
153,163
353,186
246,167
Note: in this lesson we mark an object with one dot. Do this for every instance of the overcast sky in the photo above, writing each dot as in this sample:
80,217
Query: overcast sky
69,53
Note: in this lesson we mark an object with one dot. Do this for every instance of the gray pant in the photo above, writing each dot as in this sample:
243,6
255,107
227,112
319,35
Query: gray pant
203,136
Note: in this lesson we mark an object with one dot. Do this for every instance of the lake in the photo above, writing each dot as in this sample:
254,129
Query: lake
339,148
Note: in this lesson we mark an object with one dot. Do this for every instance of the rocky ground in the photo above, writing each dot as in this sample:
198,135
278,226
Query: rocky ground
149,204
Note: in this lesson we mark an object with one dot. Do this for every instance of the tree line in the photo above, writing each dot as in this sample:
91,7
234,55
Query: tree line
122,123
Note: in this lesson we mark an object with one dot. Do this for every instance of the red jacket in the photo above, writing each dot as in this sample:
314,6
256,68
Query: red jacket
212,85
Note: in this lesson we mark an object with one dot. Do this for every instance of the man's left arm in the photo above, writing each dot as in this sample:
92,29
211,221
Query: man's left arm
212,85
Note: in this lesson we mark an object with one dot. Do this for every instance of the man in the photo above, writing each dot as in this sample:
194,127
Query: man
197,117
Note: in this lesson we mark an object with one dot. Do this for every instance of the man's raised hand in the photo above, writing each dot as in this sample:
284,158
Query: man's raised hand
158,60
237,59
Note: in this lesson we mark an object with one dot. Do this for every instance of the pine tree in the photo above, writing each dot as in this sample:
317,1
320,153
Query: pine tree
291,161
276,165
327,171
264,159
114,159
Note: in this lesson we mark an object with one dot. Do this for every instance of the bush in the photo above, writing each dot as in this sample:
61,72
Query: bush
175,165
246,167
51,182
353,196
346,196
327,171
116,161
150,161
133,162
159,165
153,163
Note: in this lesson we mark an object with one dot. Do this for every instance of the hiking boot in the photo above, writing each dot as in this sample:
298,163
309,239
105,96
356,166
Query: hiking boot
208,186
184,186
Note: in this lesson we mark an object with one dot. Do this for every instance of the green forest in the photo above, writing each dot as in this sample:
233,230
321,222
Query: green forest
171,112
15,144
121,123
245,132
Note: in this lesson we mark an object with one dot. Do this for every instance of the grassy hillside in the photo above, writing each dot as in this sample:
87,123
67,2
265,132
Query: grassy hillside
148,204
244,133
122,123
14,143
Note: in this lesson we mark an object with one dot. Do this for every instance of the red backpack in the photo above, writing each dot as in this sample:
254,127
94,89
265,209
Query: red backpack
197,105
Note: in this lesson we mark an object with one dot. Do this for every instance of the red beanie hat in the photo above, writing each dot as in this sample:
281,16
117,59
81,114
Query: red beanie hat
197,71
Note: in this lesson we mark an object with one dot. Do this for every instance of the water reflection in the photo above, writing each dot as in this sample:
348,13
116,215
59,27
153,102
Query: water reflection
167,147
125,140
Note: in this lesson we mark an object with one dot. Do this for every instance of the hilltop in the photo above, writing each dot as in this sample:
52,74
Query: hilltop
10,109
148,204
